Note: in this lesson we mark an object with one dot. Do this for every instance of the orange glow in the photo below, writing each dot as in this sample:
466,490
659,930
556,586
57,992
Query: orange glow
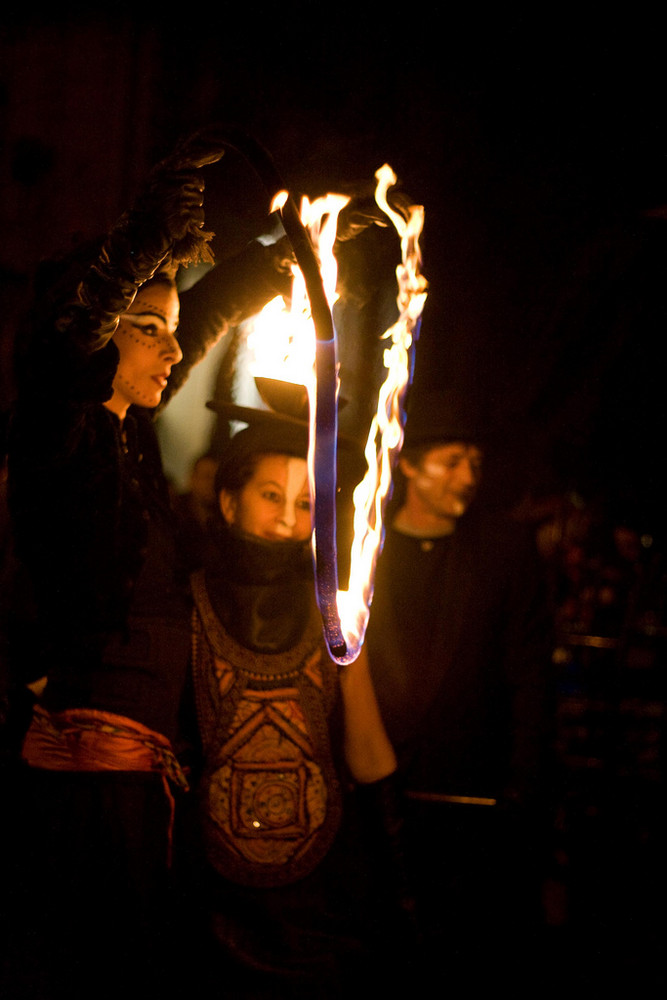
279,199
282,345
385,436
282,339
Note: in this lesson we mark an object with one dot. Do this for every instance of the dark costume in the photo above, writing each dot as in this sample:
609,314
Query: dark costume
108,620
92,515
279,880
458,648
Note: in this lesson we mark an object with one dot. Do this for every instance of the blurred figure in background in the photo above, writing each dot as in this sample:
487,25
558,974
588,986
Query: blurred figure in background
195,507
459,646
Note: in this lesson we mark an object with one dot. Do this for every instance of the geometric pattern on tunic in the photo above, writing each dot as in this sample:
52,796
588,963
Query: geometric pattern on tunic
267,796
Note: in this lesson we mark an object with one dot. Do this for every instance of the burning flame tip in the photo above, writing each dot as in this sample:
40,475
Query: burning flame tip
279,200
283,344
385,173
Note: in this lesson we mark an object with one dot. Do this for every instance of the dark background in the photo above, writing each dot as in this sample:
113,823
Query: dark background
537,145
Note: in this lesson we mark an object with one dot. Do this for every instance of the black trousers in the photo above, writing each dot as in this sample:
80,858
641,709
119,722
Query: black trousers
476,877
87,911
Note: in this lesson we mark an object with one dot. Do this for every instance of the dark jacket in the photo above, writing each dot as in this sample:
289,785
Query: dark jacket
93,527
458,642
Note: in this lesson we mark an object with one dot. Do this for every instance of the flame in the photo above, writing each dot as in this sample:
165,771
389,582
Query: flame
281,340
385,436
279,199
282,346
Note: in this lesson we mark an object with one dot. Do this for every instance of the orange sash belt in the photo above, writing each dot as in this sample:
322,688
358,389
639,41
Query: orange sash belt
85,739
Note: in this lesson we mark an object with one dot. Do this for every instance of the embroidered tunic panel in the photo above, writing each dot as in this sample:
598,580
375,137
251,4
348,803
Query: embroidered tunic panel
270,795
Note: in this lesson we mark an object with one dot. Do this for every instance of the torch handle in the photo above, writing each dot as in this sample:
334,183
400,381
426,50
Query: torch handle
326,420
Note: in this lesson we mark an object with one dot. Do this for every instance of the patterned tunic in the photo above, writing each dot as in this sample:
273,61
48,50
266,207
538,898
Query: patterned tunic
270,796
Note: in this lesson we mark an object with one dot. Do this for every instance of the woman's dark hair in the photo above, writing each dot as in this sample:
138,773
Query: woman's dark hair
233,476
246,448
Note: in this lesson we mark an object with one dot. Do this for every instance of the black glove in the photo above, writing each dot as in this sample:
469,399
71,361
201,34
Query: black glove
281,258
169,212
164,228
381,806
363,211
167,219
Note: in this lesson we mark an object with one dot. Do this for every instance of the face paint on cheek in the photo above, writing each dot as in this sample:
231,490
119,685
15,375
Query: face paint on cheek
430,477
129,334
121,382
432,480
296,473
136,355
433,471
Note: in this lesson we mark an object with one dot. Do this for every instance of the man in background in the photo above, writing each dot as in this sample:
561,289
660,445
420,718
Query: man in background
458,643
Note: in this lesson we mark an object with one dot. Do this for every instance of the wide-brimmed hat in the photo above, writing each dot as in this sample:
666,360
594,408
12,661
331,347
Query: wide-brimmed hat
444,414
284,430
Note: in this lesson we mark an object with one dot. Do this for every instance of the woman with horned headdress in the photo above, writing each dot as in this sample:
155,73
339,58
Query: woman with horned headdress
107,626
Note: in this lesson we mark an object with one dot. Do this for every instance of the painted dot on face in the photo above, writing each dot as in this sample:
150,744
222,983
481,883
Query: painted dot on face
144,305
147,349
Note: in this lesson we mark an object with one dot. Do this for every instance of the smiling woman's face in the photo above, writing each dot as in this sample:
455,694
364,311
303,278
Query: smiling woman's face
148,348
275,502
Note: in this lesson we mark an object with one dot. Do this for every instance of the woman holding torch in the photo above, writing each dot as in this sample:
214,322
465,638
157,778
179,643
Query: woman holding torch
107,632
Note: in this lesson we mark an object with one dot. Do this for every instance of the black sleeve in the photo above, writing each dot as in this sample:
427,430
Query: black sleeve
229,293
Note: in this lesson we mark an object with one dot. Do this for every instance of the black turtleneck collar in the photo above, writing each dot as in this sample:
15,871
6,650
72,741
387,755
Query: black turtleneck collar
261,591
